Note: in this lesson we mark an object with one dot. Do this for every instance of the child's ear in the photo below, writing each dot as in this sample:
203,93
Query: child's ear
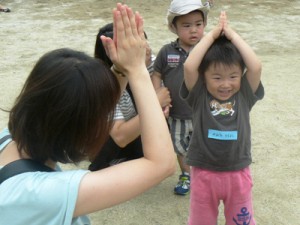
174,28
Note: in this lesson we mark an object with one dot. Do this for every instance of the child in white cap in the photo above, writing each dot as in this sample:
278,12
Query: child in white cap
187,19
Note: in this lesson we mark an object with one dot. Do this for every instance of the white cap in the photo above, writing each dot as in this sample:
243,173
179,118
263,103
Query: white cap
183,7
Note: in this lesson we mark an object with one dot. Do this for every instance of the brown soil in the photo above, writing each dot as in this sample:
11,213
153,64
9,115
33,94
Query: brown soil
271,28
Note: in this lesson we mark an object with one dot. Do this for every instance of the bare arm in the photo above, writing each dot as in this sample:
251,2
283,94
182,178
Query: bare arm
251,61
195,57
129,179
156,79
123,132
165,102
163,96
123,80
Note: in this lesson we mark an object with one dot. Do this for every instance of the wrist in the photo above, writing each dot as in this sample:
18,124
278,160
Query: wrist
234,36
211,36
116,71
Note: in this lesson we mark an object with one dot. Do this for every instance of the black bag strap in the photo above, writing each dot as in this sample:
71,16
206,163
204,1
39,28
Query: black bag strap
20,166
3,139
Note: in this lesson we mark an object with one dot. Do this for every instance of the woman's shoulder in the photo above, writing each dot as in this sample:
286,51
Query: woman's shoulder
5,138
53,192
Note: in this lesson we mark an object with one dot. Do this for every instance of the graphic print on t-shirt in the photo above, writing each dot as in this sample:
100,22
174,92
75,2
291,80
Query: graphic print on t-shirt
173,60
222,108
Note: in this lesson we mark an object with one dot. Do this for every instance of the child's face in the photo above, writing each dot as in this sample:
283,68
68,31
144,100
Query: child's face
223,81
190,29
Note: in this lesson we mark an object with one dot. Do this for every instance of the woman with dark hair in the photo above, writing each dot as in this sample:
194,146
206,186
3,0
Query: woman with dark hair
64,114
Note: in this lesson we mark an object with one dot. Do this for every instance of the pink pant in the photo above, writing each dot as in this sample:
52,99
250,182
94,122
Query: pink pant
208,188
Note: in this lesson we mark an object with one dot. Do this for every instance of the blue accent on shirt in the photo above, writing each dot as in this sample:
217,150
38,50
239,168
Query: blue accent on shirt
223,135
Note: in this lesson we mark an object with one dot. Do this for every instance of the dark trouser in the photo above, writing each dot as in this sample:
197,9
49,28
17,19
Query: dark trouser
111,151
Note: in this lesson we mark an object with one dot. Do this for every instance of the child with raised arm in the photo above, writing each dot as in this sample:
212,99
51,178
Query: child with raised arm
221,84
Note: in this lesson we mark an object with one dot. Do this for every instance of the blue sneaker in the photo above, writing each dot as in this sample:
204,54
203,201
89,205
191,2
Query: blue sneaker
183,185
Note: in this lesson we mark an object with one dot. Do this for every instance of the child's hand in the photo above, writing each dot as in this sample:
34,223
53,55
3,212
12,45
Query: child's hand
217,31
164,97
166,111
222,19
227,30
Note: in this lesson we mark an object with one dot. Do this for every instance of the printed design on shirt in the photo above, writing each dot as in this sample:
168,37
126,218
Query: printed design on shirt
221,109
173,60
243,218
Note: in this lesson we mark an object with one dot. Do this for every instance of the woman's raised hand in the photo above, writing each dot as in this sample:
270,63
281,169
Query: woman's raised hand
128,49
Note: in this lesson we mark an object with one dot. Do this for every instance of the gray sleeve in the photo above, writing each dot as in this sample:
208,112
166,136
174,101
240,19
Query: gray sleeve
191,96
250,97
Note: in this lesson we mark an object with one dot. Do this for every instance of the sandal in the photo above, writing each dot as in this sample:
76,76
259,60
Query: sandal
6,10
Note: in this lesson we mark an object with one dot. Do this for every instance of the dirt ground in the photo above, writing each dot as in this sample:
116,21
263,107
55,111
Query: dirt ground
272,29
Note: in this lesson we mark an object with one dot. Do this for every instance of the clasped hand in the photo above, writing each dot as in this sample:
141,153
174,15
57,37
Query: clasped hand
223,28
127,50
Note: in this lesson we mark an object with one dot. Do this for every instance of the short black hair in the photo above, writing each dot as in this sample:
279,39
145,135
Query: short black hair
221,51
99,51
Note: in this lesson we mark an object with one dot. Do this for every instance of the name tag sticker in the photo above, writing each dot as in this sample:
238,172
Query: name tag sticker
222,135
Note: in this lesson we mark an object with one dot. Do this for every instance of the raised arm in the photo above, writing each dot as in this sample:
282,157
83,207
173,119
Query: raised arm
126,180
124,132
192,63
253,64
